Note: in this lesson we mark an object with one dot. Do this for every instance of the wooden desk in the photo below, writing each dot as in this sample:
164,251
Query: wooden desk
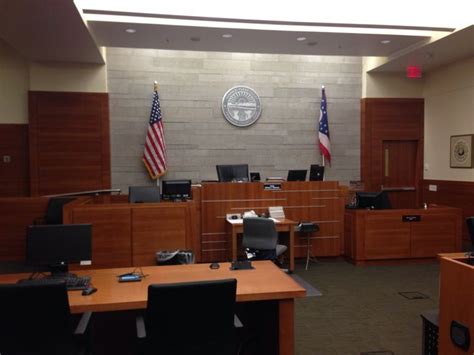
374,235
265,283
456,292
283,225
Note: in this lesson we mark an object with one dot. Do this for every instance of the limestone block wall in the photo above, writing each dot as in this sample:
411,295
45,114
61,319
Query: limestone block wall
191,87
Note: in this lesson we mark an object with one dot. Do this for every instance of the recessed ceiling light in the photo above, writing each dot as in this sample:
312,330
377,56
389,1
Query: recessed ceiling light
301,39
130,30
227,35
385,41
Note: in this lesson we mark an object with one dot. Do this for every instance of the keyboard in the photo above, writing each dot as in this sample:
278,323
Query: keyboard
72,283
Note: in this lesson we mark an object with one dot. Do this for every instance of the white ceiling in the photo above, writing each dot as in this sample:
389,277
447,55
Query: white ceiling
56,30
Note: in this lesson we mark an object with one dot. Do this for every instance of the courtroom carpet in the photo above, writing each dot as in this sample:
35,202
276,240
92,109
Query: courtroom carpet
361,310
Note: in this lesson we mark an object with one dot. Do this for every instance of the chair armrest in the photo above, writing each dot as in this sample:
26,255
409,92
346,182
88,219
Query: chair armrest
141,330
237,322
83,323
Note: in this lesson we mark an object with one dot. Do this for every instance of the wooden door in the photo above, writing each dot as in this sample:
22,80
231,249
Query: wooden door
399,176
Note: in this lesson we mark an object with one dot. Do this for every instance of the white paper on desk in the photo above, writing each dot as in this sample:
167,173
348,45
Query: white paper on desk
276,212
235,221
274,220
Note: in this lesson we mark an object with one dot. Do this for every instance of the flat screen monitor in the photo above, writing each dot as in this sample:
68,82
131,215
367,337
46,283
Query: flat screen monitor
296,175
176,189
316,173
238,172
373,200
254,177
58,245
138,194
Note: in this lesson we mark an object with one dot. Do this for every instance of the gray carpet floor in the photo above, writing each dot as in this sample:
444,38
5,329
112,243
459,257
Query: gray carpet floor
361,310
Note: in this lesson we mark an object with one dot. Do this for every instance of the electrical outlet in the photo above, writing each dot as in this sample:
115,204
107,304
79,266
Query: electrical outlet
7,158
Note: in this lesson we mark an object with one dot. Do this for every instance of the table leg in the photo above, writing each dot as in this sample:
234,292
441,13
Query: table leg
234,244
286,330
292,248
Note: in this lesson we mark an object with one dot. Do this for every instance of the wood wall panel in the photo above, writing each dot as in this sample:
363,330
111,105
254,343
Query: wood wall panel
391,120
156,229
111,229
319,202
459,194
15,215
14,176
69,142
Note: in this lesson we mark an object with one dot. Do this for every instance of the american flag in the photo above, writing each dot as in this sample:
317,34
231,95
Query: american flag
154,155
324,143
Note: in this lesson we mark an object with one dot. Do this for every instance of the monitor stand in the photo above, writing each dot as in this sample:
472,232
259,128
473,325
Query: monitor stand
60,271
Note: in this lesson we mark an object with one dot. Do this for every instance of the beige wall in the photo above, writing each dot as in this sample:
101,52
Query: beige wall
449,110
388,84
14,79
18,75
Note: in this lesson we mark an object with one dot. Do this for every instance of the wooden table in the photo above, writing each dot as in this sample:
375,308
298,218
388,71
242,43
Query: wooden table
282,225
265,283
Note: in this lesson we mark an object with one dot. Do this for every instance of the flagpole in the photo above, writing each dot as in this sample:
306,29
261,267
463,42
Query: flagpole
155,89
322,156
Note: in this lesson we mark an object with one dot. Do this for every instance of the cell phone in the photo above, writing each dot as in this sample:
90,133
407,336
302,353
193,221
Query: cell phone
129,278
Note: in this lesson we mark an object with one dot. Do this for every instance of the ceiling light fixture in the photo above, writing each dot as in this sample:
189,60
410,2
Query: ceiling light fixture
130,30
227,35
301,39
385,41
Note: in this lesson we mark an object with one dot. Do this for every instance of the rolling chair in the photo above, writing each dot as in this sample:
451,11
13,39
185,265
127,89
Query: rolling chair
260,239
307,229
470,228
201,313
37,320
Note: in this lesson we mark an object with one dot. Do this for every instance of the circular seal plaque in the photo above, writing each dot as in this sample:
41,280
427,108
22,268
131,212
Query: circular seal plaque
241,106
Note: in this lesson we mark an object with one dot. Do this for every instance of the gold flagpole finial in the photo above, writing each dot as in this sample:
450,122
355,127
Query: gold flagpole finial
155,86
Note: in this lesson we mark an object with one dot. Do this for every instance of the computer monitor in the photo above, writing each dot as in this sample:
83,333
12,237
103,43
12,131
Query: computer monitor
254,177
316,173
176,189
238,172
58,245
137,194
296,175
373,200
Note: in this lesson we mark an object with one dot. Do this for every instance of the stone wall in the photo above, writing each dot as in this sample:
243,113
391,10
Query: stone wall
191,87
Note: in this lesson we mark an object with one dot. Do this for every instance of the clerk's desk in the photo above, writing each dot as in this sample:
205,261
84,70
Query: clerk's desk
282,225
265,283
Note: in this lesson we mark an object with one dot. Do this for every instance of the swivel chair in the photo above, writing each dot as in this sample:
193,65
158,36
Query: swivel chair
201,312
307,229
260,239
54,211
35,319
470,228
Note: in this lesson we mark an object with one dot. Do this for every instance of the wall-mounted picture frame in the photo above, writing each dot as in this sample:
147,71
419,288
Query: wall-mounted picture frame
461,155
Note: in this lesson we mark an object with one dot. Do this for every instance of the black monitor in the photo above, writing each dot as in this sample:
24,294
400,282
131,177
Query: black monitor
373,200
254,177
138,194
176,189
296,175
58,245
238,172
316,173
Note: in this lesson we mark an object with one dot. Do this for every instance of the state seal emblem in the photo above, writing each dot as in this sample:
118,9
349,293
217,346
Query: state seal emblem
241,106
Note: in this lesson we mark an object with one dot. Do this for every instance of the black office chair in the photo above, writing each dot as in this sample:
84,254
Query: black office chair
37,320
190,318
260,239
470,228
54,211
